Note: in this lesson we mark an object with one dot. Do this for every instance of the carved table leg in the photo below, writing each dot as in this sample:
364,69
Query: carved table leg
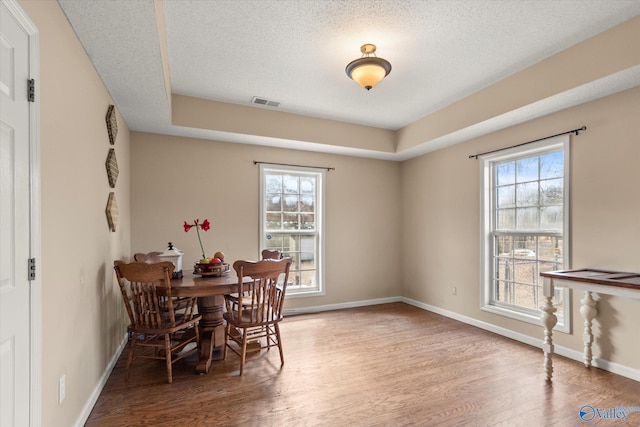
549,321
211,310
588,311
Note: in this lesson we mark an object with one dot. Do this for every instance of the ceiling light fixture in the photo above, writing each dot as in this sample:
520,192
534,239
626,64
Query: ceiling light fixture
368,70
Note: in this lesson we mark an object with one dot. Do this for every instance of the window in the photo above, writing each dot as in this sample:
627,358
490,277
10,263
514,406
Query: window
525,228
291,206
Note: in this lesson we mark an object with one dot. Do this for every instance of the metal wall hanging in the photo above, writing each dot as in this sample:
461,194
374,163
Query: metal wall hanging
112,168
112,124
112,211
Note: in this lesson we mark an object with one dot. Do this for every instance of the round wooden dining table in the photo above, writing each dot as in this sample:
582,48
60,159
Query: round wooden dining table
210,291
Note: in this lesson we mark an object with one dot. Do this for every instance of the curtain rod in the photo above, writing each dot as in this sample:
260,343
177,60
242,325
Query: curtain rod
577,132
255,162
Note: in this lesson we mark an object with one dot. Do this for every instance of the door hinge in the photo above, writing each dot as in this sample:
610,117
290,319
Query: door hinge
32,90
32,269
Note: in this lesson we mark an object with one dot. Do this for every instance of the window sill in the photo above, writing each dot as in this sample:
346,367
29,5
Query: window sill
527,318
304,294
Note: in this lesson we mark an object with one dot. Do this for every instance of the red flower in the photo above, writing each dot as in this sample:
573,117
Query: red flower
206,225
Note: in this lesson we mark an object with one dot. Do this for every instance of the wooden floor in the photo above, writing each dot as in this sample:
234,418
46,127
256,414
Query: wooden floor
385,365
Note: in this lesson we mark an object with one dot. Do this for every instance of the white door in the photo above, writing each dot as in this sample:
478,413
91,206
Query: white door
15,236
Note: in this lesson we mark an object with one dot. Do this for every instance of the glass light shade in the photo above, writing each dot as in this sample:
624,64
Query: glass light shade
369,70
368,75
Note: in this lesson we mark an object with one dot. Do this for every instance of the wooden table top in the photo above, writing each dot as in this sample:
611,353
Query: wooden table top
192,285
600,277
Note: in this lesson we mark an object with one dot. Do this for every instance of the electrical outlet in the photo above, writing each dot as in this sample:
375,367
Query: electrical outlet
62,389
454,291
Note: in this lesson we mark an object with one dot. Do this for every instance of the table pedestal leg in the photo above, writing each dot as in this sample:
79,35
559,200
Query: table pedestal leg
549,321
588,311
210,326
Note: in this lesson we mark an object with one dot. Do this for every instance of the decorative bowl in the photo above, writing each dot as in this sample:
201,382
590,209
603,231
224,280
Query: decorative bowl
210,269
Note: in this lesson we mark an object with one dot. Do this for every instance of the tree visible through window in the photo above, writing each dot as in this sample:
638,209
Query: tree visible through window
291,206
525,227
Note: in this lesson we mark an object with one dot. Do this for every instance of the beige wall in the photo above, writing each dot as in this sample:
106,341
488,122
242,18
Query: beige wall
180,179
440,216
82,316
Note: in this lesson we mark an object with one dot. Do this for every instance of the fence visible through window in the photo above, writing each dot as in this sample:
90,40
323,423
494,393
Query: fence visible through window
518,263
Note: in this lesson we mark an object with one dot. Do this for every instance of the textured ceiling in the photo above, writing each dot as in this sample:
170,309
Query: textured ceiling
295,52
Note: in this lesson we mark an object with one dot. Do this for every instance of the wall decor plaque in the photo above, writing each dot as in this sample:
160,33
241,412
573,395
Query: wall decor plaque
112,211
112,168
112,124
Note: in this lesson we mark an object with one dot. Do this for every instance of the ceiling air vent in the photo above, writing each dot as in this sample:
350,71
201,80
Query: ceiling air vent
265,101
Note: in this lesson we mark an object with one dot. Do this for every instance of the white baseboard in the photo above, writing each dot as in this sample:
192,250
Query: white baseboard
88,407
330,307
606,365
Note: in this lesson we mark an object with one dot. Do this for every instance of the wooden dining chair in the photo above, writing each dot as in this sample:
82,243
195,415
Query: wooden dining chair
149,258
272,254
256,310
179,304
158,332
266,254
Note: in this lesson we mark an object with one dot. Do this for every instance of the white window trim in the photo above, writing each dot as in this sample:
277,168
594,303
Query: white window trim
486,203
320,251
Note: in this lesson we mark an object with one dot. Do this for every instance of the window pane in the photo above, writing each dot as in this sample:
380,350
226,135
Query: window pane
550,249
527,194
273,183
506,219
307,243
307,261
524,246
503,291
306,204
274,241
504,245
294,279
307,279
527,169
551,192
290,184
307,222
289,244
290,221
506,197
290,203
525,271
506,173
274,221
527,219
307,185
552,165
526,296
274,202
551,218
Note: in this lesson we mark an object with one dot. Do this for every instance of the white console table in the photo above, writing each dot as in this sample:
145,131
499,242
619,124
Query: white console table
588,280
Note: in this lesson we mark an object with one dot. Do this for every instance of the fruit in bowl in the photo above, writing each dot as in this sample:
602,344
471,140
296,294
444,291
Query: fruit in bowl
215,261
219,255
